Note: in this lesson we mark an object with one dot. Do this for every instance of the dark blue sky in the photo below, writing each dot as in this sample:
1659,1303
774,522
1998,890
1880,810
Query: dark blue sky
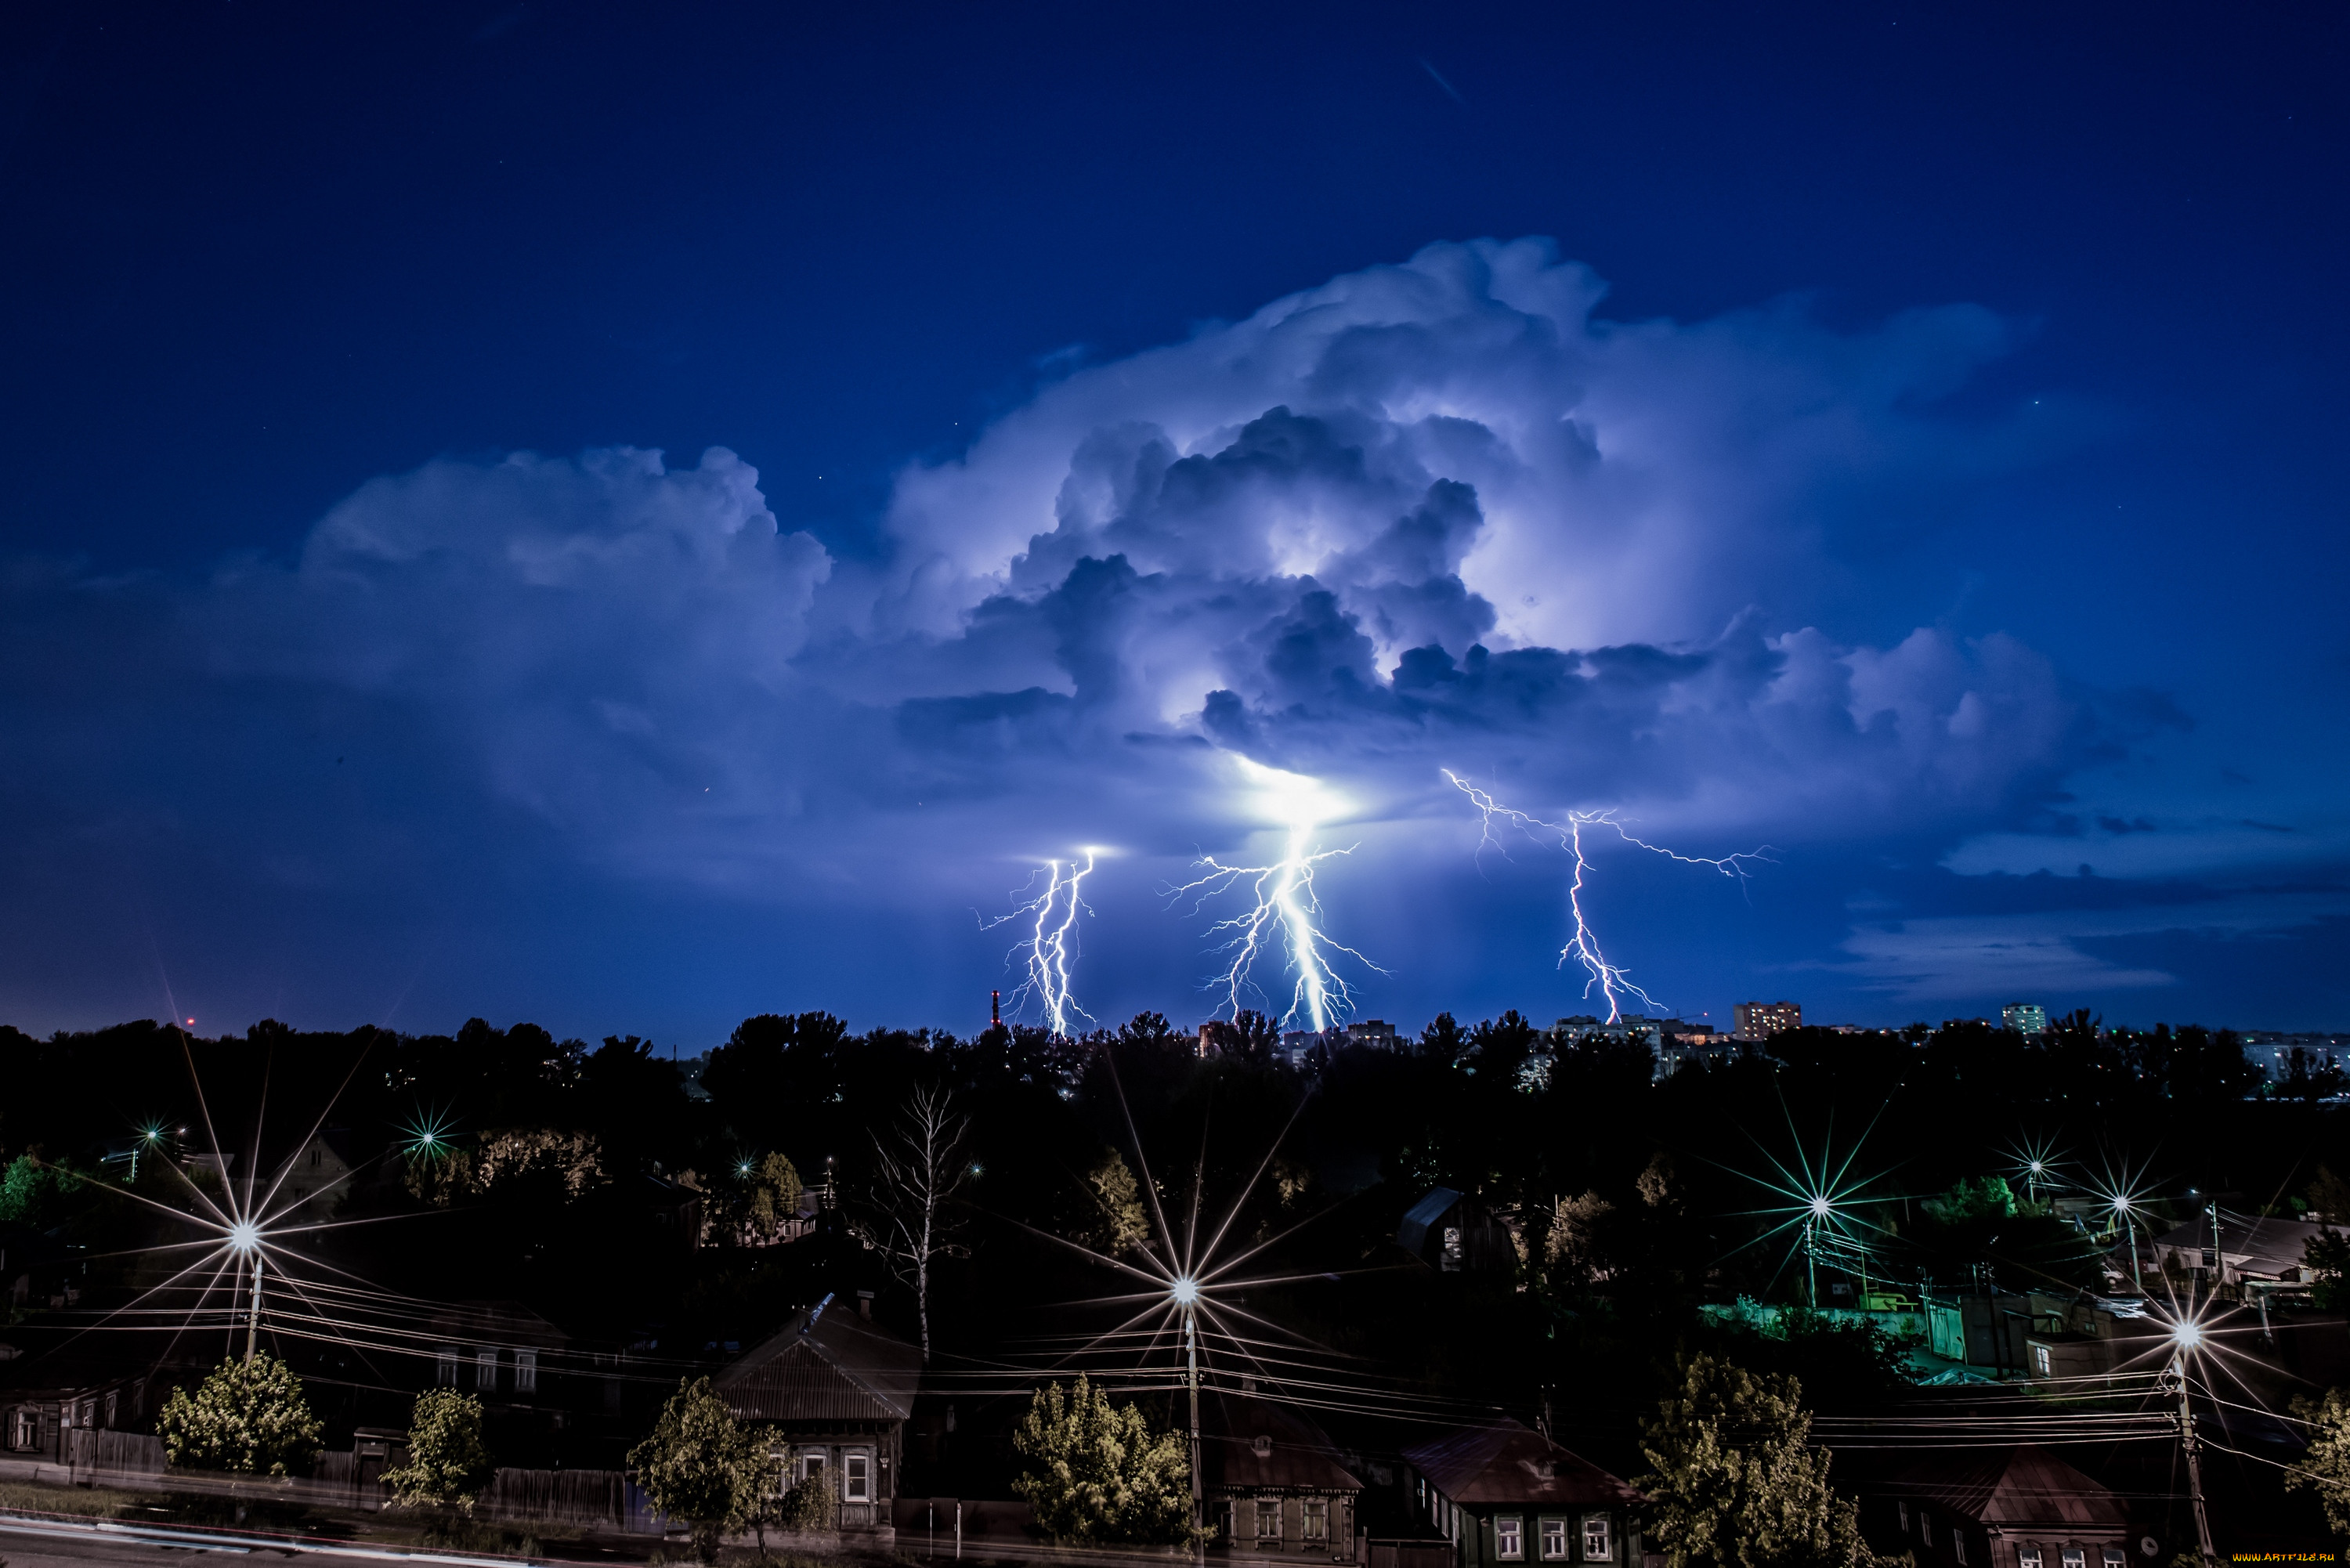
2009,338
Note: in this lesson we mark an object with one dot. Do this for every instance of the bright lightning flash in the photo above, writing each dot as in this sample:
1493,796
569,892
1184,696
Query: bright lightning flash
1284,908
1049,950
1583,945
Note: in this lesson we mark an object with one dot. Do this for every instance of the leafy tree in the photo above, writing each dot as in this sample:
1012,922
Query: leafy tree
775,1194
2325,1467
1096,1473
2327,1255
1734,1485
1573,1255
448,1461
704,1467
249,1416
33,1191
2329,1198
1443,1040
1146,1029
1119,1225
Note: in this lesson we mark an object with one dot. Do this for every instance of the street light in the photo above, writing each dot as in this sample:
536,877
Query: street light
244,1237
1184,1291
2187,1339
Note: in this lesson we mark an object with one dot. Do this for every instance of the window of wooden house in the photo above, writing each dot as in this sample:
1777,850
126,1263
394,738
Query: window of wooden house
2040,1360
444,1369
112,1405
1268,1520
1553,1540
811,1466
486,1369
783,1462
1598,1543
23,1429
856,1478
1316,1526
526,1371
1904,1506
2027,1556
2076,1557
1958,1545
1925,1527
2115,1557
1509,1539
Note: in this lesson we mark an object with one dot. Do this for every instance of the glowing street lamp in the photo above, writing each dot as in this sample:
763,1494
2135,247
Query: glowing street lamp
2187,1340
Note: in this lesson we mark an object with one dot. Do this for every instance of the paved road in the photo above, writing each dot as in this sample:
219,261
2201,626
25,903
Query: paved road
58,1543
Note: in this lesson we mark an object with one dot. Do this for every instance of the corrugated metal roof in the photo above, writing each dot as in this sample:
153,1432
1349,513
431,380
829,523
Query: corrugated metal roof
1508,1463
2012,1488
830,1365
1298,1456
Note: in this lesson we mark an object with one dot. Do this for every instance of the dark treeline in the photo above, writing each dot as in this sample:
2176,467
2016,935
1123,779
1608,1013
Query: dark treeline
1633,1200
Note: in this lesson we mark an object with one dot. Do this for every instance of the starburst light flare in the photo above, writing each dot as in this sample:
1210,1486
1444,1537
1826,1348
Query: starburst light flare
1284,908
1612,981
2123,1194
1049,951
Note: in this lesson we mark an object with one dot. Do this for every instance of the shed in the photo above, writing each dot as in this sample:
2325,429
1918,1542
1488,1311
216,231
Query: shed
1453,1234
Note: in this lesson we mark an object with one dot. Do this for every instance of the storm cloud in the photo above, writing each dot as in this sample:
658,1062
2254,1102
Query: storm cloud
1432,515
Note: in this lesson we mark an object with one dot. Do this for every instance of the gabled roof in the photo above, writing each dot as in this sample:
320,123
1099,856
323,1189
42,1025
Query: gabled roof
2014,1488
1298,1455
1507,1463
830,1365
1413,1234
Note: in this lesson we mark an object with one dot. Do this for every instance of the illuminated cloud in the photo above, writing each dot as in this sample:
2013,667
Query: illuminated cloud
1435,514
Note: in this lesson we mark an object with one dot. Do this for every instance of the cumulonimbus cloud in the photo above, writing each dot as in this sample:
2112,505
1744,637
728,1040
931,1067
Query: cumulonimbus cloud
1434,513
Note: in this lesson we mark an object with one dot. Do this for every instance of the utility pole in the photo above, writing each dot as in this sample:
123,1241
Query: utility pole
1811,1268
2194,1464
253,1323
1191,1357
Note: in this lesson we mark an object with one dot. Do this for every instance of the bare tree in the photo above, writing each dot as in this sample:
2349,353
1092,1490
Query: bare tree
909,1217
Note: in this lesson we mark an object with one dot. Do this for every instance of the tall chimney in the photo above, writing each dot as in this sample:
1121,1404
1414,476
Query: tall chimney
995,1010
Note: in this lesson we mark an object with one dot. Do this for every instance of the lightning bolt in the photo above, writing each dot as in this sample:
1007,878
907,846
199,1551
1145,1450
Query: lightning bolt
1611,981
1049,950
1284,909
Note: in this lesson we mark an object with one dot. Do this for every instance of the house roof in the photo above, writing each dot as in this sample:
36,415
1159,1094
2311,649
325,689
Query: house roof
499,1322
1413,1234
1296,1456
1507,1463
2266,1245
2015,1487
830,1365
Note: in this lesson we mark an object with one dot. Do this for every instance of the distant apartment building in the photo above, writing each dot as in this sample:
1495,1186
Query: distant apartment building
2276,1054
2025,1018
1762,1019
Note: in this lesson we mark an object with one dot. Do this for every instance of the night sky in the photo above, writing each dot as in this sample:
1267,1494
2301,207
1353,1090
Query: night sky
629,517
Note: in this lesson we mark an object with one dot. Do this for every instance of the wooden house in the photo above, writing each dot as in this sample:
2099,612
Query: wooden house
835,1389
1272,1481
2017,1506
1503,1494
